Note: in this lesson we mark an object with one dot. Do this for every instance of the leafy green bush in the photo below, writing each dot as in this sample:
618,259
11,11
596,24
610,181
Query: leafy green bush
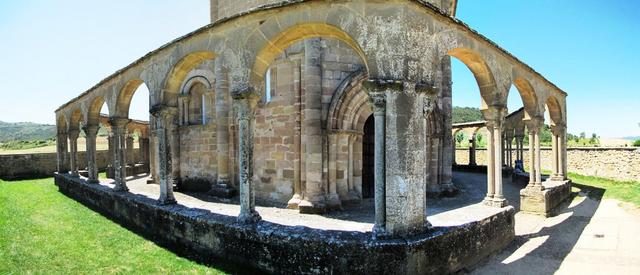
636,143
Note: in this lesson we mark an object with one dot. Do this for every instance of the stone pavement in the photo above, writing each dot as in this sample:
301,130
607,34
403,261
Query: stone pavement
587,236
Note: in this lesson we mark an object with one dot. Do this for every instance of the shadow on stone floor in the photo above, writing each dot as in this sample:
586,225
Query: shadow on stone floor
542,250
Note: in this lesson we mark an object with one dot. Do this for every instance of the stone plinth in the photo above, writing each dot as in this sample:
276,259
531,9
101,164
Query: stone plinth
543,202
274,248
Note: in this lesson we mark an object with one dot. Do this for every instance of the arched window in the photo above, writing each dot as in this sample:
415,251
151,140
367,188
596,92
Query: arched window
197,104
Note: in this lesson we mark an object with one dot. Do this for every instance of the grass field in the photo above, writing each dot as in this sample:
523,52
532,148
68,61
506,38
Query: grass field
628,191
44,232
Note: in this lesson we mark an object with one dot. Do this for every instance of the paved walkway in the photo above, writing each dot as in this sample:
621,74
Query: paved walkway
588,236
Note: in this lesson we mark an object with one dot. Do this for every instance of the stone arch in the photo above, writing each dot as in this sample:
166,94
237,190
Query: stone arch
481,72
281,41
555,111
93,112
75,119
347,91
125,95
175,78
194,80
61,123
528,96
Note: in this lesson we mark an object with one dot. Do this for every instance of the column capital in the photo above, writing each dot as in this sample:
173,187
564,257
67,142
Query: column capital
91,130
73,133
382,85
119,122
163,111
558,129
534,123
494,115
379,102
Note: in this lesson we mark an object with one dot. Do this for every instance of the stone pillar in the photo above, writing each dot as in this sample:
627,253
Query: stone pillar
379,116
129,145
519,148
333,200
400,155
61,146
297,139
144,150
119,128
315,191
472,150
222,187
244,106
73,144
498,197
558,152
164,118
352,195
495,119
91,131
534,125
153,152
453,153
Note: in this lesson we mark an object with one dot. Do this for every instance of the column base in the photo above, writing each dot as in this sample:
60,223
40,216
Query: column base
294,201
537,186
222,190
379,232
167,201
545,201
488,201
495,202
121,187
449,190
352,198
556,178
308,207
334,202
151,180
249,217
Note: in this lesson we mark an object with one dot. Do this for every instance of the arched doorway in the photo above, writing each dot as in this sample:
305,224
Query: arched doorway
368,147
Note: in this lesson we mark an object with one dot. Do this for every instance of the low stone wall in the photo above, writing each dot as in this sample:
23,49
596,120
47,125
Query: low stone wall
614,163
275,248
27,166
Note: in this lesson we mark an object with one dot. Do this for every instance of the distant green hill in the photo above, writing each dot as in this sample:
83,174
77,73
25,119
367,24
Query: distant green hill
26,131
466,114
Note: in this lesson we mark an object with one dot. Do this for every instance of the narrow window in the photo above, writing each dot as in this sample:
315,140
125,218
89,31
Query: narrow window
267,92
204,110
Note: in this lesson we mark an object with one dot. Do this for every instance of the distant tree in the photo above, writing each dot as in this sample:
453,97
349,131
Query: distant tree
594,139
466,114
636,143
583,135
459,137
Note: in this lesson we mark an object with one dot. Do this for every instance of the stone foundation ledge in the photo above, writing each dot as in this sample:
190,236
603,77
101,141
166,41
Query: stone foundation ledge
274,248
544,202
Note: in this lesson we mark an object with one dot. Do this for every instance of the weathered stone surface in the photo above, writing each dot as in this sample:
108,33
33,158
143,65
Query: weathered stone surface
275,248
614,163
27,166
543,202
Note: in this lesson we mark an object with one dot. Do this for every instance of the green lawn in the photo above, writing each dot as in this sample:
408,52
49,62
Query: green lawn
44,232
628,191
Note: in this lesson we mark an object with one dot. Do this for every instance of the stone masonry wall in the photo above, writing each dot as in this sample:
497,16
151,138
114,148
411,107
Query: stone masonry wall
198,159
614,163
21,166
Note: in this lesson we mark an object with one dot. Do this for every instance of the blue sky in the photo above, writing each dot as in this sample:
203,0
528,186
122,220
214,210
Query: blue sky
54,50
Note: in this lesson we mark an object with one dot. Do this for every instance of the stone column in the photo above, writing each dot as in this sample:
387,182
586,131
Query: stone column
73,143
119,128
129,145
144,150
558,152
495,119
314,195
472,150
534,125
91,131
222,187
153,154
519,148
244,106
498,197
297,139
61,146
164,118
379,116
453,153
333,200
352,196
